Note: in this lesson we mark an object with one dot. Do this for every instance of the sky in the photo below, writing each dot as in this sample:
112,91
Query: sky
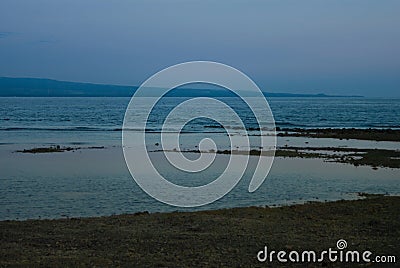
332,46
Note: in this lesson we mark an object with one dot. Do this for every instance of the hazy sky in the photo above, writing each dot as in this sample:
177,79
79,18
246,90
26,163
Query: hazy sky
334,47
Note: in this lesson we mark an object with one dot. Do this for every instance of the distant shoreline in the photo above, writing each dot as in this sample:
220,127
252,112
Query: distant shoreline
40,87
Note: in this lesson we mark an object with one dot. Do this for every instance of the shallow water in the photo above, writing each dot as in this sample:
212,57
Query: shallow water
96,182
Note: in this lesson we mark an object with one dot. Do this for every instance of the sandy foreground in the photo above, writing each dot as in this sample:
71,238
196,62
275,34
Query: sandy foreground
227,238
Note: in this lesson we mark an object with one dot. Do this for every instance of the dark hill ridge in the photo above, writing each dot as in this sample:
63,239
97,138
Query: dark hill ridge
39,87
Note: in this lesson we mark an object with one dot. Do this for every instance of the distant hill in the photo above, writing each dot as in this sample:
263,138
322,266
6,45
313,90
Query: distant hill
38,87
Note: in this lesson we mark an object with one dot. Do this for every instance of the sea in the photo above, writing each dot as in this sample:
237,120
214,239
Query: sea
94,180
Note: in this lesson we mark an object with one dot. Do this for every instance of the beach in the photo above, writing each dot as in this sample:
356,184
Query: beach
219,238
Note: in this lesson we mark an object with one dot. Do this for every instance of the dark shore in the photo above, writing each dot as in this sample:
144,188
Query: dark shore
375,158
342,133
56,149
355,156
222,238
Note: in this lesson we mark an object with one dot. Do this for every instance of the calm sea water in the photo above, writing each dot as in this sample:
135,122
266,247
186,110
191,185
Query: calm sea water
71,119
97,182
